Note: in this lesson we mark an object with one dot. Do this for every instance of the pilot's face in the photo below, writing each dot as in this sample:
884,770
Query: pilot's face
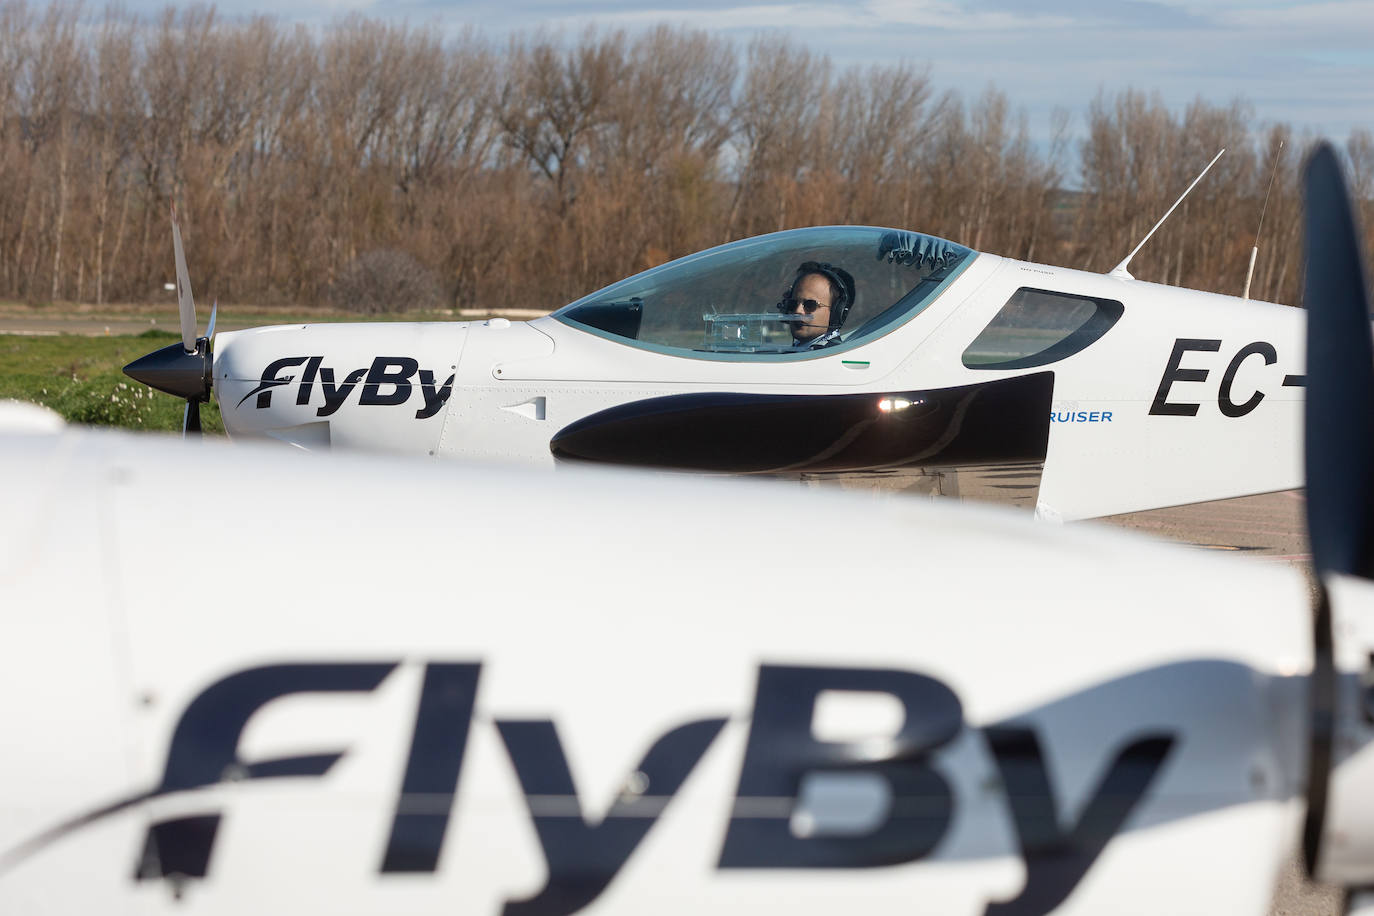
813,325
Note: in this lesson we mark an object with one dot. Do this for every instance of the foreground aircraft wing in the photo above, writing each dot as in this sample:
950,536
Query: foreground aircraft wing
366,686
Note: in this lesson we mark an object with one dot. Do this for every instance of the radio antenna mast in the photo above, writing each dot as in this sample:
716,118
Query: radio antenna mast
1120,269
1250,271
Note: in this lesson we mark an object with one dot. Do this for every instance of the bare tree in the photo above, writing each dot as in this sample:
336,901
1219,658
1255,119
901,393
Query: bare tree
885,117
776,117
111,103
56,73
555,99
15,25
1359,149
533,174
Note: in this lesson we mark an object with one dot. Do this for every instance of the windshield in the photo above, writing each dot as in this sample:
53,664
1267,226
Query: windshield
786,295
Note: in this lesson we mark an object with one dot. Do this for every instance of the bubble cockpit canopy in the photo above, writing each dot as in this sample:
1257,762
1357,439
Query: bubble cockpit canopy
722,303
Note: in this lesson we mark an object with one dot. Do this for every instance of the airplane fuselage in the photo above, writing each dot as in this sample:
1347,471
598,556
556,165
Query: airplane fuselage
1195,395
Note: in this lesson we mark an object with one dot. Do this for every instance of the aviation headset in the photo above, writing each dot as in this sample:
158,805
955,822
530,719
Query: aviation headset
841,289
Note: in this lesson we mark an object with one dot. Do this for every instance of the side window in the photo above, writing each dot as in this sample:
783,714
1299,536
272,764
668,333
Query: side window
1038,326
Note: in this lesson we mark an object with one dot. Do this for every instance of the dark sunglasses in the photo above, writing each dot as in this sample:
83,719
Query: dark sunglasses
809,306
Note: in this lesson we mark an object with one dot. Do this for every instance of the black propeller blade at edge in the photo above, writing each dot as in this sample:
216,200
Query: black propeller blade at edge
190,419
1339,435
1338,444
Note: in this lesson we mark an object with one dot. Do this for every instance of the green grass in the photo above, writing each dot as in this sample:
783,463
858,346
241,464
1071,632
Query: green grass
82,379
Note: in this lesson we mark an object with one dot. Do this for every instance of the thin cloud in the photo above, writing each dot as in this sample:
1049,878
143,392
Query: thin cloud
1116,13
1309,64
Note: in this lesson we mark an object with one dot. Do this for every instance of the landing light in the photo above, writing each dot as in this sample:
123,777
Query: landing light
889,405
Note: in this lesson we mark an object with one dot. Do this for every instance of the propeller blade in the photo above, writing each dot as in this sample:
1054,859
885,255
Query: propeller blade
184,370
190,419
214,313
1339,438
185,303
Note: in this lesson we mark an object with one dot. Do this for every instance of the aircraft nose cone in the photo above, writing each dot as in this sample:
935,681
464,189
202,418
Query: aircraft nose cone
173,370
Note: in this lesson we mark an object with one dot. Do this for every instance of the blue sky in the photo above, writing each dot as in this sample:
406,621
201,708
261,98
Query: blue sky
1308,64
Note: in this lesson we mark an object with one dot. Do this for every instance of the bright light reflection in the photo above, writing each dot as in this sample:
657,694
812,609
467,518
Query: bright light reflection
888,405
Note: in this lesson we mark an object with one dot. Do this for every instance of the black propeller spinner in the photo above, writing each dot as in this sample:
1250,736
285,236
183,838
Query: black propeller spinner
184,370
180,374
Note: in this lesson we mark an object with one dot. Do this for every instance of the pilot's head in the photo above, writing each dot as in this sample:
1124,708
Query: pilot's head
819,297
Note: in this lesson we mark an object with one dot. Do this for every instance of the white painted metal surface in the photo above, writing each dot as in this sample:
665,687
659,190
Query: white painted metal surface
1157,692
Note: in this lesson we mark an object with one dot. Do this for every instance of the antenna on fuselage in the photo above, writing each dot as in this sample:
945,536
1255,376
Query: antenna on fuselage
1120,269
1250,271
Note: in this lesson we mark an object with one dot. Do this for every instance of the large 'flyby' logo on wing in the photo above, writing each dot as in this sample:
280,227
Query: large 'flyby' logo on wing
782,761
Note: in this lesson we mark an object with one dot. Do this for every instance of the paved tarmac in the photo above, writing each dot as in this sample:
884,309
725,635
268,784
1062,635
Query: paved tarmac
1270,526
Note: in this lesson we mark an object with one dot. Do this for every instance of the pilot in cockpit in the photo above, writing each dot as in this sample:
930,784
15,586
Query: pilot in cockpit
816,303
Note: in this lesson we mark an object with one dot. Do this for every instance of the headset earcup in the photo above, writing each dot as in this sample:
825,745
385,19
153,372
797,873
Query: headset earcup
837,316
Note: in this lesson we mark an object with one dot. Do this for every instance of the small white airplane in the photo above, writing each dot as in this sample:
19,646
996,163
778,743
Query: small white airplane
891,351
525,693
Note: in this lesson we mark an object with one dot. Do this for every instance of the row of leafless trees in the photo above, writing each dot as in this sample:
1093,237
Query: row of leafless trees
527,174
